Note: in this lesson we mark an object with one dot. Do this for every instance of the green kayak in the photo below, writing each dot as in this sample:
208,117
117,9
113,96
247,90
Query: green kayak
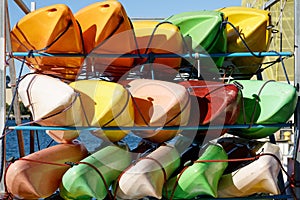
83,181
206,30
265,102
200,178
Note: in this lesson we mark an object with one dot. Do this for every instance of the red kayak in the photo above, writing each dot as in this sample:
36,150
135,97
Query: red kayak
212,103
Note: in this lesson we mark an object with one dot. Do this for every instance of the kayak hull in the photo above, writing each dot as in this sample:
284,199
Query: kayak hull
212,103
105,25
51,29
33,179
199,178
259,176
105,104
159,103
159,38
205,29
147,176
62,108
265,102
253,26
84,182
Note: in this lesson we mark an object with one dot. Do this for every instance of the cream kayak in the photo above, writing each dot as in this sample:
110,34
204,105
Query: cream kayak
62,107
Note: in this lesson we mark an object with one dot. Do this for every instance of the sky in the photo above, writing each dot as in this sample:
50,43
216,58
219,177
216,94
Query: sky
134,8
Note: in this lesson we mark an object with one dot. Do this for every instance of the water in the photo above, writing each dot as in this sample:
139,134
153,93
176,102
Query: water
42,140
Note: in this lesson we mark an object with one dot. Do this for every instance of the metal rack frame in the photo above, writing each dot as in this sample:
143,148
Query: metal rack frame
3,54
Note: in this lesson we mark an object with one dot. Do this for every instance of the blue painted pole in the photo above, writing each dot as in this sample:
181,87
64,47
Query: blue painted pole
236,54
139,128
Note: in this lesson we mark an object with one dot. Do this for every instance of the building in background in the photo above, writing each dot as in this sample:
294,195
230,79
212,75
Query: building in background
282,15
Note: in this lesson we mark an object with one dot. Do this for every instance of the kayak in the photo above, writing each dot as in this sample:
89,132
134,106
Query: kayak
201,178
259,176
100,21
159,38
62,108
206,30
83,181
158,103
38,175
212,103
105,25
253,25
147,175
51,29
265,102
105,104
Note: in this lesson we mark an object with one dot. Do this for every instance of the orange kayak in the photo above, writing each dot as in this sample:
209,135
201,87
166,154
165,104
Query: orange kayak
159,38
52,29
105,25
39,174
159,103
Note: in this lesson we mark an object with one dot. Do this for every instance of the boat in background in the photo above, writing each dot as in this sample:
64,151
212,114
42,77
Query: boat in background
52,29
91,177
250,177
38,175
206,31
264,102
155,37
63,107
105,104
254,27
213,103
158,103
105,25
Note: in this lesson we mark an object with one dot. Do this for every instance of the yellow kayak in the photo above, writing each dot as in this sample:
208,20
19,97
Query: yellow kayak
160,38
253,26
105,104
51,29
105,25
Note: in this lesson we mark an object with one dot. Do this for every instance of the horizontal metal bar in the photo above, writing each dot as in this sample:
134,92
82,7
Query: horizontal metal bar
194,55
143,128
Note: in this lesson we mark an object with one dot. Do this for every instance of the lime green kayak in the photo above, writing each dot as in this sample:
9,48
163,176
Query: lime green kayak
83,181
265,102
199,178
205,29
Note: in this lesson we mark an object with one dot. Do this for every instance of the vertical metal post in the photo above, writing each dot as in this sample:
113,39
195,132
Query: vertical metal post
297,84
2,92
12,74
